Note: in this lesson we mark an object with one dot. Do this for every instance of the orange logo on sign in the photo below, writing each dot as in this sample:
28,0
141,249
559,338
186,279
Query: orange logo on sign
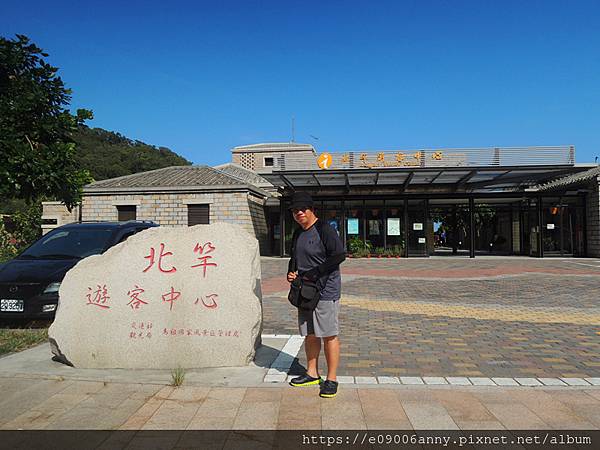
324,160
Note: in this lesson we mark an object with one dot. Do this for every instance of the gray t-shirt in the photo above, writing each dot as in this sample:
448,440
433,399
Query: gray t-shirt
312,251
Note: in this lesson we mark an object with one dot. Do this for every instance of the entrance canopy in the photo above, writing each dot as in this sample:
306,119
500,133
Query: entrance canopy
458,170
474,179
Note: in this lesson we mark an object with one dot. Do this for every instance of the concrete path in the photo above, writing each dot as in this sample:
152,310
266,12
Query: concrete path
54,403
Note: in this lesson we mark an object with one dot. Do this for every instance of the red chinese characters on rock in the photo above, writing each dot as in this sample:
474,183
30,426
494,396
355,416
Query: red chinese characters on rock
204,251
161,255
134,295
140,330
99,297
211,301
174,332
170,297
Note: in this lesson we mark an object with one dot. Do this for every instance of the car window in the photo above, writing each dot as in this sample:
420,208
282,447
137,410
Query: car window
128,234
70,243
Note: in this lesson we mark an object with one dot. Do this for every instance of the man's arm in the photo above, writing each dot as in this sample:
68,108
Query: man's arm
292,265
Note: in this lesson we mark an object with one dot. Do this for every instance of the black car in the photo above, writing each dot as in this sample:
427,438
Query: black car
29,283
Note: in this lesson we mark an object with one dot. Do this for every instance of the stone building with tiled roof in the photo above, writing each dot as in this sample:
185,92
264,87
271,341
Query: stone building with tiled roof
176,196
533,201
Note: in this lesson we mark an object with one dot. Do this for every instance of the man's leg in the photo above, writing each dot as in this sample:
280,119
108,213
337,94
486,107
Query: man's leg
332,355
312,346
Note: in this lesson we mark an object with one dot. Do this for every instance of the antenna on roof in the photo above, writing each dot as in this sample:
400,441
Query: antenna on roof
293,128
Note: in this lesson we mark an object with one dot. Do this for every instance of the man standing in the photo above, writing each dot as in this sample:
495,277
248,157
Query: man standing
317,252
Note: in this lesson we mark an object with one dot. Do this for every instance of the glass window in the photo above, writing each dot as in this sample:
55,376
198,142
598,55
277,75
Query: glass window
69,243
374,223
394,226
355,227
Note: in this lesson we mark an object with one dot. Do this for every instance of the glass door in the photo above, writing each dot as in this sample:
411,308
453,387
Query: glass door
417,228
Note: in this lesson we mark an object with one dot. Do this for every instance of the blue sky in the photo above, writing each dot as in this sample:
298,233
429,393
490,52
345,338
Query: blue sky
202,77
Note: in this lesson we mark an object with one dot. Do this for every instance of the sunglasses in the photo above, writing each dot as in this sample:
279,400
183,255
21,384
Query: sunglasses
301,208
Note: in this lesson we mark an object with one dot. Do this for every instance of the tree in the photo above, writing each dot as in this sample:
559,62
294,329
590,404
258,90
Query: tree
37,154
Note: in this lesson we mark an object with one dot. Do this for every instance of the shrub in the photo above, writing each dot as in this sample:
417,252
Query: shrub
8,247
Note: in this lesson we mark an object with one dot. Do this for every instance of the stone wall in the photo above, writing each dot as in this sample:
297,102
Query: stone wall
256,206
56,214
593,219
171,209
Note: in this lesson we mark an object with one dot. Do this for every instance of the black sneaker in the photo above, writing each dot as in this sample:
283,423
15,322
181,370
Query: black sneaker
305,380
328,389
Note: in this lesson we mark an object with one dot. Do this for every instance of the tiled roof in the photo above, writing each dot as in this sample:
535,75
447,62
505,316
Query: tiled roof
570,179
247,176
173,177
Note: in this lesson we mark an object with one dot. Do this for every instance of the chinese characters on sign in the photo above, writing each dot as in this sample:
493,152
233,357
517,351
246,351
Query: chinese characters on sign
140,330
100,296
204,250
160,257
138,298
398,159
202,333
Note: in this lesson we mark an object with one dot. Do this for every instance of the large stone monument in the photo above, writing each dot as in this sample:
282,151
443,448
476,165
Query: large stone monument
165,298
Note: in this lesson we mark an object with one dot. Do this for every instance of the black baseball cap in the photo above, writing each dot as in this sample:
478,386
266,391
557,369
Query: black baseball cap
301,200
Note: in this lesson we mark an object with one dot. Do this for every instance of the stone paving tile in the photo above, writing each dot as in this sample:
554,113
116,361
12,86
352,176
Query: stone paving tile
37,391
435,380
218,410
552,382
382,410
516,416
463,407
528,382
580,402
259,408
172,415
139,418
343,412
300,409
504,381
84,387
119,415
428,415
549,409
388,380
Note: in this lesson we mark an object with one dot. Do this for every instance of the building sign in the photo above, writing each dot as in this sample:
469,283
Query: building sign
417,226
378,160
398,159
352,226
393,226
324,160
550,226
421,240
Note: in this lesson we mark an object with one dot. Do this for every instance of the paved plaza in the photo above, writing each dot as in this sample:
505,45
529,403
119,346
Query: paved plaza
70,404
439,343
458,317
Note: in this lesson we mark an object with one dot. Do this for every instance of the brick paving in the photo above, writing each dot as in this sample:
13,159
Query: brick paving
488,317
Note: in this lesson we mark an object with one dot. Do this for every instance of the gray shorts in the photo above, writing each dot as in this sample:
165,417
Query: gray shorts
322,322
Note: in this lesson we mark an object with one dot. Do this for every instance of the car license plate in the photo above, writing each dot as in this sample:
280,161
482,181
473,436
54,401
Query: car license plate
10,305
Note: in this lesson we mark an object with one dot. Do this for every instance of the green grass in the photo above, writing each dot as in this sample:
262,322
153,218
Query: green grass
177,376
15,340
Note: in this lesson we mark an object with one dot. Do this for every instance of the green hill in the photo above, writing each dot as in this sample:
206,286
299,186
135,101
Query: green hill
107,154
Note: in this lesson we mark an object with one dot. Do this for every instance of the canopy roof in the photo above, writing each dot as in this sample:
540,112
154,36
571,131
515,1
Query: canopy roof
456,179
